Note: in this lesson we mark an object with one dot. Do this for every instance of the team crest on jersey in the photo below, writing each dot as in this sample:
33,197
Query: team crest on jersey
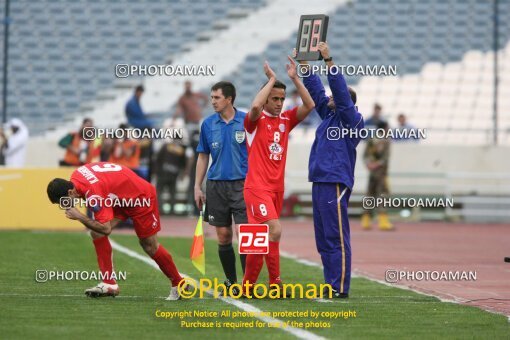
240,136
275,148
282,128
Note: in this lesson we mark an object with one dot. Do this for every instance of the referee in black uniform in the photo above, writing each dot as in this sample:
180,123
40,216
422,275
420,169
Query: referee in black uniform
222,136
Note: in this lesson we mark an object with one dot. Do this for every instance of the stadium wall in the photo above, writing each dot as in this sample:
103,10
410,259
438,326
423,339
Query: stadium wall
414,167
24,202
421,169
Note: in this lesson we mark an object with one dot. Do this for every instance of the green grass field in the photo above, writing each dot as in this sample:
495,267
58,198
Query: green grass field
59,309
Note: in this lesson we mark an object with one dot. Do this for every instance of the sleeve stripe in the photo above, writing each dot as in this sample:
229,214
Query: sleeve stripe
359,121
250,136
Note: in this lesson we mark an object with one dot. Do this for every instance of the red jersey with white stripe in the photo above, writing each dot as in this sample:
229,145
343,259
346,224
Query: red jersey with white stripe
267,140
108,180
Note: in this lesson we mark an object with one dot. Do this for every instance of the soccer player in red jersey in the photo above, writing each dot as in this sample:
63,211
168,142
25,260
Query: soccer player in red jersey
267,134
114,193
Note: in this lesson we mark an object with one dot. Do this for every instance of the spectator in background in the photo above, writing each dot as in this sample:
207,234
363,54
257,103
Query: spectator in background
172,163
134,113
126,151
94,151
403,126
372,122
376,158
194,140
3,143
15,142
190,105
77,148
106,149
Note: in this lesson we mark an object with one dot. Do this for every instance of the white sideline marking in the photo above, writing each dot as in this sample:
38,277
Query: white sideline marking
299,333
300,260
323,300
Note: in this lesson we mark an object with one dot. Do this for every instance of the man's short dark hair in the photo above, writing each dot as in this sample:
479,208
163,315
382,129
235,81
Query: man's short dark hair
227,88
139,88
354,97
277,84
86,120
58,188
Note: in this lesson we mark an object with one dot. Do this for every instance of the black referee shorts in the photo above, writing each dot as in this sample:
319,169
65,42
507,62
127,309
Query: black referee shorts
224,200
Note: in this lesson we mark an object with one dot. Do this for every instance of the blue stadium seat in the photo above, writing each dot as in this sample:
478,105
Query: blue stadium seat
76,43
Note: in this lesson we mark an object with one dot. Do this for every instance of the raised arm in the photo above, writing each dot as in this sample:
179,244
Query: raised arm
314,86
343,102
261,97
308,103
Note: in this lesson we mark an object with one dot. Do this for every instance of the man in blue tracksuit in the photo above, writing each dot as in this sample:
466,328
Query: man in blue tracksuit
331,169
134,113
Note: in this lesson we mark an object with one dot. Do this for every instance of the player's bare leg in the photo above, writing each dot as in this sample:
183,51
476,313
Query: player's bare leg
165,262
109,286
275,230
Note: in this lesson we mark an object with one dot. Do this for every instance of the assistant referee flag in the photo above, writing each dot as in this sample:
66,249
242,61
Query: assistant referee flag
197,253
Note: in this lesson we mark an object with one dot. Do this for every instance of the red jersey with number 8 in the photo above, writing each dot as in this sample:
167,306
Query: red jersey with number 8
267,140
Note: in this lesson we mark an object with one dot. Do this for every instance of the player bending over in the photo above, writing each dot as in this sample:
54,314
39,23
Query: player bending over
267,134
95,182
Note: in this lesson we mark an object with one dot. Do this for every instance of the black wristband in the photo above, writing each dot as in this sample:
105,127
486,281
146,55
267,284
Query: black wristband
328,59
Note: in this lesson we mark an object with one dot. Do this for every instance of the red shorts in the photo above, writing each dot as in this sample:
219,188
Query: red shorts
145,219
262,205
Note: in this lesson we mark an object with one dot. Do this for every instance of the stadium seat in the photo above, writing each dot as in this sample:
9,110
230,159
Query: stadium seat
91,35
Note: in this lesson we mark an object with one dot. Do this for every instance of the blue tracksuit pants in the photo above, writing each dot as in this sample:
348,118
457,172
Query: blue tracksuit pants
332,232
